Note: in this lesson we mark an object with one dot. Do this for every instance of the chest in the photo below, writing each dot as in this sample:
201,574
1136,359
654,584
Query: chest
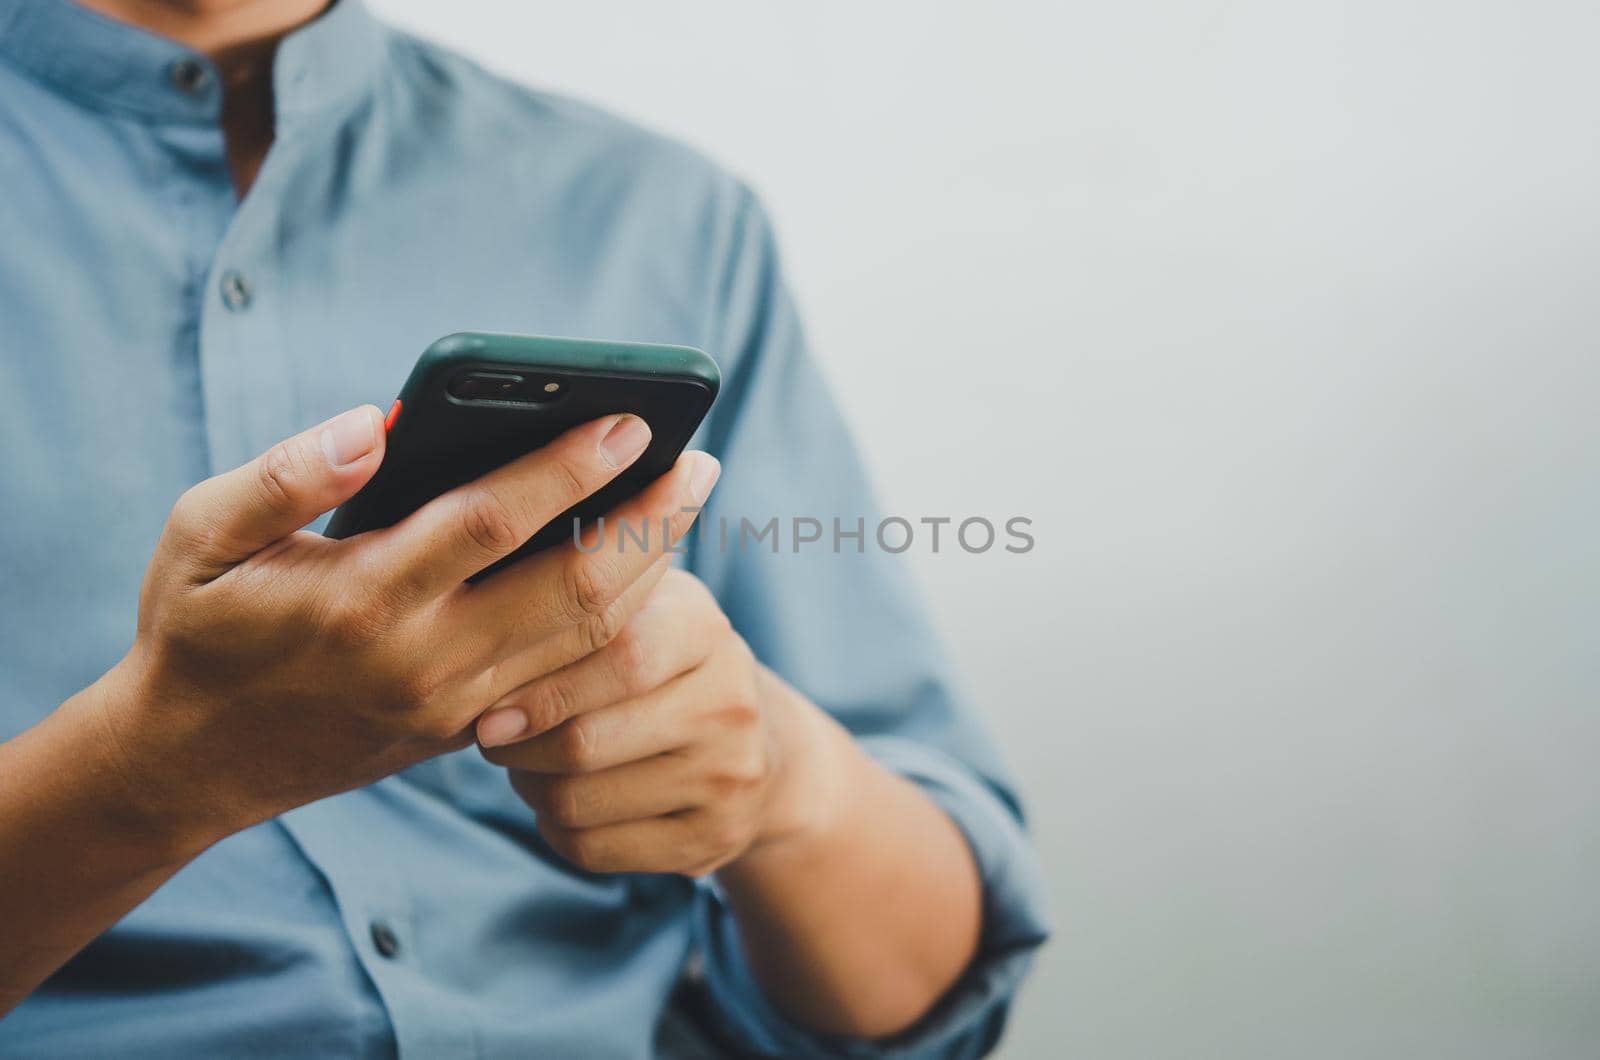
153,332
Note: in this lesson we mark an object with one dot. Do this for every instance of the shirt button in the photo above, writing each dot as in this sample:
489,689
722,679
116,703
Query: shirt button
384,940
189,76
235,290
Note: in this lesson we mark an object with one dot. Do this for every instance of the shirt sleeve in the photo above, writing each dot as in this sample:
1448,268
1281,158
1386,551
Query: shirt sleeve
837,617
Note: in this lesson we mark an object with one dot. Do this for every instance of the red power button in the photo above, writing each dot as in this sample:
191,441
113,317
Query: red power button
394,414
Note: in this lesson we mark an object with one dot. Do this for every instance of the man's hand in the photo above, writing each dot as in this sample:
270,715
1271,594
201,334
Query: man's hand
671,749
273,667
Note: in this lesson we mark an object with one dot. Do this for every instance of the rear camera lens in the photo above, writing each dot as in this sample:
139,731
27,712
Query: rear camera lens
486,385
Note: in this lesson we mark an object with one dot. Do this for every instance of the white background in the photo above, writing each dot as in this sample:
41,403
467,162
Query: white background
1279,319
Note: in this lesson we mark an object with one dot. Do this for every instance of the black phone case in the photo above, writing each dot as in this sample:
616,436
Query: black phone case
439,441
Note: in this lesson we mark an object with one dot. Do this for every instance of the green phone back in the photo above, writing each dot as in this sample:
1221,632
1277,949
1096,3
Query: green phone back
439,440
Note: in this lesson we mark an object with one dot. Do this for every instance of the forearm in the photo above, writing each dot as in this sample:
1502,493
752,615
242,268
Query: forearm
862,917
75,855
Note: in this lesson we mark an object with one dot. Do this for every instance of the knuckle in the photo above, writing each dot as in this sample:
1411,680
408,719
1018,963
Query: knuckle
355,621
186,518
183,635
488,522
734,780
571,480
740,654
670,590
581,847
527,785
721,786
718,624
550,702
460,741
691,588
197,524
741,711
632,660
577,745
560,839
415,692
436,726
597,631
591,588
746,769
387,593
281,475
408,697
563,803
726,835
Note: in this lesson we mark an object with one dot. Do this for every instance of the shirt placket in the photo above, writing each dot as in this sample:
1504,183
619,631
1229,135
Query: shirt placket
245,370
248,375
248,400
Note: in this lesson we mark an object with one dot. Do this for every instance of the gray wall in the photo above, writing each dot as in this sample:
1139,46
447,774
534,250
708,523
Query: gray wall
1279,319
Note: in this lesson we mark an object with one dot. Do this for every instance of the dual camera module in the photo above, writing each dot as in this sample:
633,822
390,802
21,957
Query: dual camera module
511,387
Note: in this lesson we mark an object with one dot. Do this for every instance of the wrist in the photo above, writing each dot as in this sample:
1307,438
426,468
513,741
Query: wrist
815,772
137,775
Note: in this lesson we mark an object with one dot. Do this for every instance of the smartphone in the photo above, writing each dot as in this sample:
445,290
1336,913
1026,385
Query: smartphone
477,400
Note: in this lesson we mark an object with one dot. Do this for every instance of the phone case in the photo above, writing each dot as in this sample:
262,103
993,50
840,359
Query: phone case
438,440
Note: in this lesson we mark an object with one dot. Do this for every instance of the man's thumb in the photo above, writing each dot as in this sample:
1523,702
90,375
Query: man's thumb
244,510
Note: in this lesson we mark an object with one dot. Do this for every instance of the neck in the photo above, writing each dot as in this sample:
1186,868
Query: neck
240,37
218,28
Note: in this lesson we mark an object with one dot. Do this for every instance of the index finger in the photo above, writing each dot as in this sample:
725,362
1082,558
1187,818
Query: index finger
459,533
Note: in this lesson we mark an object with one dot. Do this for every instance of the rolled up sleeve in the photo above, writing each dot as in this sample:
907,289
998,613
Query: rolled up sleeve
968,1020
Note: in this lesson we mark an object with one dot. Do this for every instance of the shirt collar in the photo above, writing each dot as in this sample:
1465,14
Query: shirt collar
122,69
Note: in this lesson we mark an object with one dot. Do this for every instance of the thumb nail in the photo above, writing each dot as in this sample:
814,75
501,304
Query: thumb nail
703,475
350,436
501,726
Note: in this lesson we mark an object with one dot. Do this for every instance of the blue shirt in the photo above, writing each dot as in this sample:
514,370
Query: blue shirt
155,331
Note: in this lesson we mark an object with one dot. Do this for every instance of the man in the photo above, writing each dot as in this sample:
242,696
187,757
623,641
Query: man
333,800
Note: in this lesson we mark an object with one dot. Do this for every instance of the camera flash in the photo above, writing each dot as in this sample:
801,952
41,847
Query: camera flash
551,388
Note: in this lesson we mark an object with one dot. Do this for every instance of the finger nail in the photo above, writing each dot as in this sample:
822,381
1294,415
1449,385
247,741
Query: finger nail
501,726
349,436
624,441
703,475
